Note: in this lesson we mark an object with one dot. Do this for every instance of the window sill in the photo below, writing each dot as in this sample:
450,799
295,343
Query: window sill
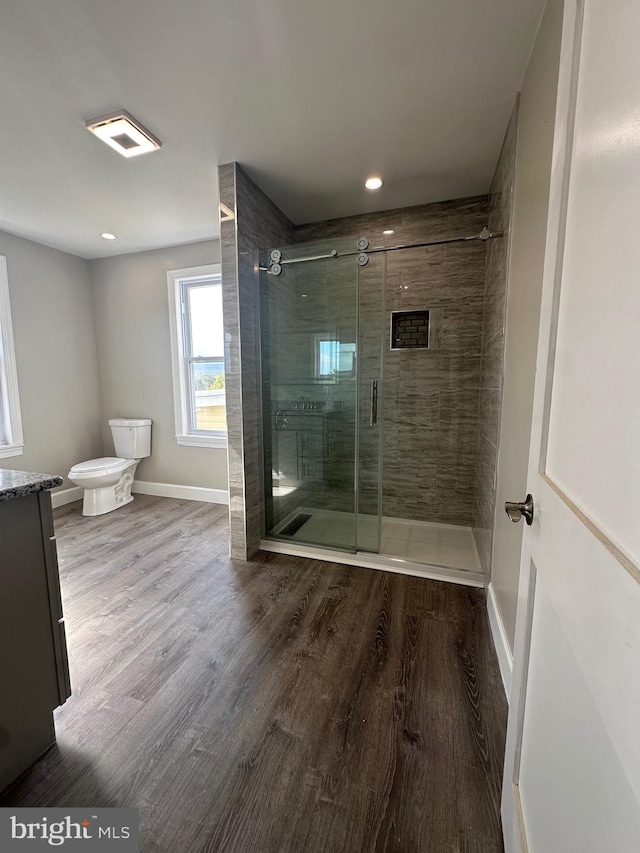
202,440
12,450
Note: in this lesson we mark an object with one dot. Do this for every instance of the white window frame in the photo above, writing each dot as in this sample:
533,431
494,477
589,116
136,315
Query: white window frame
13,445
184,434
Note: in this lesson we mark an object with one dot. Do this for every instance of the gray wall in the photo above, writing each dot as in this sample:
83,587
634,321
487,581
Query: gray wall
495,295
430,396
54,336
531,202
134,358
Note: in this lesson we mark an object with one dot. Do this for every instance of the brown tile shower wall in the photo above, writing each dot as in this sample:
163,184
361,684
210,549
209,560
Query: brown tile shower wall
430,396
256,223
491,371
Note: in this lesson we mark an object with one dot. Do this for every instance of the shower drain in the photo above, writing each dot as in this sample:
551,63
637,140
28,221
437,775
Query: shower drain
295,524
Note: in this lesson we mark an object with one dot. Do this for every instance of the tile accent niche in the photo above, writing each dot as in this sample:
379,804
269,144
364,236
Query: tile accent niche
409,329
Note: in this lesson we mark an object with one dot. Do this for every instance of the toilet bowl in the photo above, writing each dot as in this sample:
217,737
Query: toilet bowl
107,481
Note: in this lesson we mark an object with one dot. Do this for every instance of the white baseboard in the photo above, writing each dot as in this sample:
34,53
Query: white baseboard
67,496
500,641
185,493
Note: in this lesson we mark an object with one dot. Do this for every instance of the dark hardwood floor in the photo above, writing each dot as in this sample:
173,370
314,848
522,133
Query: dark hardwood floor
278,706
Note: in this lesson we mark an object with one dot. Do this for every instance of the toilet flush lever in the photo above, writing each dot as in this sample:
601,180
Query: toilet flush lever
516,511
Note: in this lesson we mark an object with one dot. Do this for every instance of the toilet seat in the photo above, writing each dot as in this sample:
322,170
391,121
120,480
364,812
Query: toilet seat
105,465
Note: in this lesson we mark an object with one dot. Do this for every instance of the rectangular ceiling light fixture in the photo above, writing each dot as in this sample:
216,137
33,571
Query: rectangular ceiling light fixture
123,133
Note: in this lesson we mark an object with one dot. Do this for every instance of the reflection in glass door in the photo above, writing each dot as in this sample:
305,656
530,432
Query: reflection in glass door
315,399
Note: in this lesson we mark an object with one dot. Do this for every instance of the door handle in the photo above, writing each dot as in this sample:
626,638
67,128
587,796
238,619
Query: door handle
516,511
373,403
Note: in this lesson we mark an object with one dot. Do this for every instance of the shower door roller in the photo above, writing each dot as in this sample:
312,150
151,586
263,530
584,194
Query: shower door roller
516,511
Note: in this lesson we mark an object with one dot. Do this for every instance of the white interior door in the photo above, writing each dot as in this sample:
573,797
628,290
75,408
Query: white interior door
572,771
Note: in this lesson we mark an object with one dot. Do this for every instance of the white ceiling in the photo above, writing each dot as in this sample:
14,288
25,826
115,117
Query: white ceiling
311,97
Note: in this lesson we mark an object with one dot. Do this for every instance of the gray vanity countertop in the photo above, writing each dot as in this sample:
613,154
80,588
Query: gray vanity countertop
15,484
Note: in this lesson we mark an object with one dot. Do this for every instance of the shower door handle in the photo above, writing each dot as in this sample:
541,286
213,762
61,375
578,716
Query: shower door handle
373,403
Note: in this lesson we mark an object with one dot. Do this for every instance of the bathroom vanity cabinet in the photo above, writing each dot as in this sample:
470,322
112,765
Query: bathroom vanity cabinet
34,670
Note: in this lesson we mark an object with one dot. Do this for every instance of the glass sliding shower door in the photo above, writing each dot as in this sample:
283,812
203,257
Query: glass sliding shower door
371,288
313,397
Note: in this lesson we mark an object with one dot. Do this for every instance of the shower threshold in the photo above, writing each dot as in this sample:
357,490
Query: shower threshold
425,549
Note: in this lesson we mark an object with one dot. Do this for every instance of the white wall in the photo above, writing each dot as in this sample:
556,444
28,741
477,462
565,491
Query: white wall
134,358
531,200
54,337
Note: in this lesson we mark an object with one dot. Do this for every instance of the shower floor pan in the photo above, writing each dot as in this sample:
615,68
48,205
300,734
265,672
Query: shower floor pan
422,548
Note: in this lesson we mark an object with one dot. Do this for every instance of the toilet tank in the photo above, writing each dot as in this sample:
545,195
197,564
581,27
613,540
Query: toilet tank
131,437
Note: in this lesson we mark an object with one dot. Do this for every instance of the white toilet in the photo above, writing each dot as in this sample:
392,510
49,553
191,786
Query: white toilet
107,481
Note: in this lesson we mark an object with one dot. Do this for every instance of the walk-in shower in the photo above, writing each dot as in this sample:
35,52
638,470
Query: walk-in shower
370,366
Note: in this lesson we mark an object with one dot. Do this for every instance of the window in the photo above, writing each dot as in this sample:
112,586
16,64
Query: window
11,441
197,347
334,359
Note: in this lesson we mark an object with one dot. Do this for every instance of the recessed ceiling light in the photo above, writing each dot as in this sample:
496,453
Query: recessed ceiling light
123,133
387,232
373,183
107,236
